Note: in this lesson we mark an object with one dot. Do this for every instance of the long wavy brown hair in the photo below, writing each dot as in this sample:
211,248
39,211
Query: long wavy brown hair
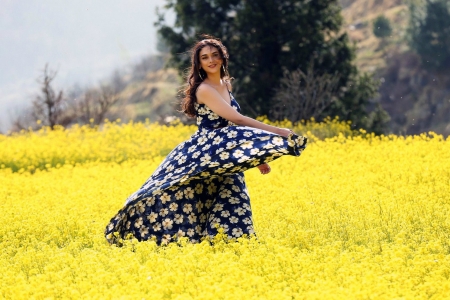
193,76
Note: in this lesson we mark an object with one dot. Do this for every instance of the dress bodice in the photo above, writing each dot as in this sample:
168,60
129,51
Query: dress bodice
207,119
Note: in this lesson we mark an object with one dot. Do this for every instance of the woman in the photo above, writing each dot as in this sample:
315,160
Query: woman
200,187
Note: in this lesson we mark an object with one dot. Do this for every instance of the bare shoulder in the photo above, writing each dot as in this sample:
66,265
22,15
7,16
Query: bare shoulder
203,91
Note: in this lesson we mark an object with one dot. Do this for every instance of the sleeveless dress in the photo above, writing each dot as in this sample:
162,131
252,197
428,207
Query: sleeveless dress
200,185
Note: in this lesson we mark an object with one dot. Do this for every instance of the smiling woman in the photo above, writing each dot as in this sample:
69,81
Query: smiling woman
200,186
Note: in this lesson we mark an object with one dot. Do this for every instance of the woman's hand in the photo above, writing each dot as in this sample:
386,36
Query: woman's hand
264,169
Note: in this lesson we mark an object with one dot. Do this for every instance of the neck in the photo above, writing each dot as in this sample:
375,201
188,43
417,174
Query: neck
214,78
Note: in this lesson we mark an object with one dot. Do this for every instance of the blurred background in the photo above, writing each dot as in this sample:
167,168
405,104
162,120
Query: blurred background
384,65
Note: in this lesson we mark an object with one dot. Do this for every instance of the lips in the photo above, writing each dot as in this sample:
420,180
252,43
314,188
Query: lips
212,66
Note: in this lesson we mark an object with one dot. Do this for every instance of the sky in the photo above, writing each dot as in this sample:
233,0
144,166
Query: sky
85,41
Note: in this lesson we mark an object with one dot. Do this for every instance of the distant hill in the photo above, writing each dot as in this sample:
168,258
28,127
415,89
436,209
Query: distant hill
414,105
417,100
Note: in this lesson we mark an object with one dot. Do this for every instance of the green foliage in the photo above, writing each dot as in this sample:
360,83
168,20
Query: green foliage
382,27
430,34
355,105
266,38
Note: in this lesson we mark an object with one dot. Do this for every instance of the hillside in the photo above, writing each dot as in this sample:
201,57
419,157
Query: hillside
413,97
359,16
417,100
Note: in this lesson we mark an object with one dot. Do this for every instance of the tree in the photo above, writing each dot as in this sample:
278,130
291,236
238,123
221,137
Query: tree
303,95
382,27
83,106
92,105
430,34
48,107
266,39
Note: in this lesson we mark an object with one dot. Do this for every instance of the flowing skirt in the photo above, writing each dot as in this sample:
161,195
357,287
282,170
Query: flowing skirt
200,187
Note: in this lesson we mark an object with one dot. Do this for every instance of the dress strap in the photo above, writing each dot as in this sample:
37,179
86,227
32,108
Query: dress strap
226,84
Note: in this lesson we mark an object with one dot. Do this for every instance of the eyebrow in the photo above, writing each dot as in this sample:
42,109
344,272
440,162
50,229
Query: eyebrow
215,52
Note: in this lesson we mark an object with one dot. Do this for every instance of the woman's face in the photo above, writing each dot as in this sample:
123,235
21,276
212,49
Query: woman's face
210,59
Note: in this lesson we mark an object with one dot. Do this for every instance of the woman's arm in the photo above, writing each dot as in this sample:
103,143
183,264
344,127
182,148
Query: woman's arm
209,96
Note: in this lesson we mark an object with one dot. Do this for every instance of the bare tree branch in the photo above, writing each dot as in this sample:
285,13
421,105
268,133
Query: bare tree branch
302,96
49,106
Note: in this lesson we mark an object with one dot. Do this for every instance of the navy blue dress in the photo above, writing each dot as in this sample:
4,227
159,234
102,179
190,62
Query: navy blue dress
200,185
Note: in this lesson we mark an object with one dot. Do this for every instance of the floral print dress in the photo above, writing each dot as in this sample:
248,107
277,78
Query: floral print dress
200,185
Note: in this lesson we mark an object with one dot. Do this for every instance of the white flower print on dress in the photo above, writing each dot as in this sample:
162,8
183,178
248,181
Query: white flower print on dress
213,116
138,223
228,180
143,231
237,232
192,148
243,159
157,226
231,145
189,192
247,145
240,211
205,159
199,205
215,222
173,207
277,140
178,218
140,207
238,153
152,217
199,188
225,227
224,155
235,188
179,195
163,212
233,220
165,198
214,164
182,160
225,193
250,230
232,134
202,140
166,238
218,207
167,223
247,221
192,218
187,208
234,200
202,218
217,140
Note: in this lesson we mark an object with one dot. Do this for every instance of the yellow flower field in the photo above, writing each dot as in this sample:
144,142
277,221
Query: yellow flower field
355,217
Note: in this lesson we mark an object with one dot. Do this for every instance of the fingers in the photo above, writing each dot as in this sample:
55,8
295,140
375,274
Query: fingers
265,169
